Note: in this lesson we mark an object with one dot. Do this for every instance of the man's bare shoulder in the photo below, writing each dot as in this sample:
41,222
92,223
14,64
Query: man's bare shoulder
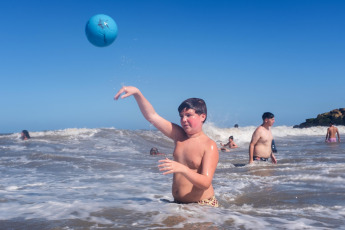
259,130
333,129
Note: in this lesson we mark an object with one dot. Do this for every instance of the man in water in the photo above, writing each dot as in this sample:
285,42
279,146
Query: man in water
231,144
331,131
260,148
195,154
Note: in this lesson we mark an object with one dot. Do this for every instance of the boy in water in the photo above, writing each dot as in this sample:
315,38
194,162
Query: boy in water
260,147
195,154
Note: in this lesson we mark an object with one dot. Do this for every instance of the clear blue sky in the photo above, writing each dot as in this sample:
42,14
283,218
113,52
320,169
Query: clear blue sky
242,57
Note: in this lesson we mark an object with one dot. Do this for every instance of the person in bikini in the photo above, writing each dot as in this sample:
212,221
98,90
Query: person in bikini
195,154
331,132
231,145
260,147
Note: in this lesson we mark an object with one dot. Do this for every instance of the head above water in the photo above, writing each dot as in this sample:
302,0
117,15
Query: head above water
197,104
231,137
267,115
154,151
25,134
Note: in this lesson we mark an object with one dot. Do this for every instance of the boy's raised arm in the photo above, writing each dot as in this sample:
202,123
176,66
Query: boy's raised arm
169,129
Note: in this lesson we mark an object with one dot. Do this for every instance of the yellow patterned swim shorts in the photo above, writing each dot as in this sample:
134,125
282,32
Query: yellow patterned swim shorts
212,201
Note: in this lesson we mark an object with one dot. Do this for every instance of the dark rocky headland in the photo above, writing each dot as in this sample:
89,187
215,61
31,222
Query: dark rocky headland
337,116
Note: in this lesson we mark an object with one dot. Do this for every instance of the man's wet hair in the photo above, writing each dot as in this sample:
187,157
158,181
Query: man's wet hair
197,104
26,134
267,115
231,137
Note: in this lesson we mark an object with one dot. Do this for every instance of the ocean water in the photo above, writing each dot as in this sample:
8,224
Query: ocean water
105,179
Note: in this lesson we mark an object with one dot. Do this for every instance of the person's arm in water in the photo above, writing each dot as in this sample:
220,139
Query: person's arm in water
273,158
227,144
338,134
202,179
255,139
327,135
169,129
233,145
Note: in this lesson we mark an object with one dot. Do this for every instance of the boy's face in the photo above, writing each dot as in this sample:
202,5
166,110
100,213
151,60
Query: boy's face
270,121
191,122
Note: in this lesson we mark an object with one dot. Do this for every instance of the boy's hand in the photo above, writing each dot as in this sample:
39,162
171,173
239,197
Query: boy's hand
170,166
128,90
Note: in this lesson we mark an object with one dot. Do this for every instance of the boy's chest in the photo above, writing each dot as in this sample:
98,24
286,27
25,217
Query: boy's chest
189,153
266,138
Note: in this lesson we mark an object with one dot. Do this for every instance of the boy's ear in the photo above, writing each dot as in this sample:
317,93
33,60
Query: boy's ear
203,117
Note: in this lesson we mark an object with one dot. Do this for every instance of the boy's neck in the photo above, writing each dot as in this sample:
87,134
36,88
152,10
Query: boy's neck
266,126
195,135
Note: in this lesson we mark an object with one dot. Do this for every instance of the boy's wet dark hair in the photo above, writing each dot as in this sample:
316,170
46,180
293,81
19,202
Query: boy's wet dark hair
267,115
197,104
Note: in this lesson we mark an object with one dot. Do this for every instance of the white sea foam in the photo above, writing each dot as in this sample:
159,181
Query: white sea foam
106,176
244,134
12,188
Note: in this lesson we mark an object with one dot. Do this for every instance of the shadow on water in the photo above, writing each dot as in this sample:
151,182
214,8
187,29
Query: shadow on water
239,165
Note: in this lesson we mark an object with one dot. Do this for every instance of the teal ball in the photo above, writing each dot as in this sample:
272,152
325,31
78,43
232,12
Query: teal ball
101,30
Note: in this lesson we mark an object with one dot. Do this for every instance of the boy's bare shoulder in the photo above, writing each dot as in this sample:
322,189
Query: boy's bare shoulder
209,141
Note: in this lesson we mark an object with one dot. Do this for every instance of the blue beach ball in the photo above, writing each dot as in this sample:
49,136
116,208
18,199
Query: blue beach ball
101,30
